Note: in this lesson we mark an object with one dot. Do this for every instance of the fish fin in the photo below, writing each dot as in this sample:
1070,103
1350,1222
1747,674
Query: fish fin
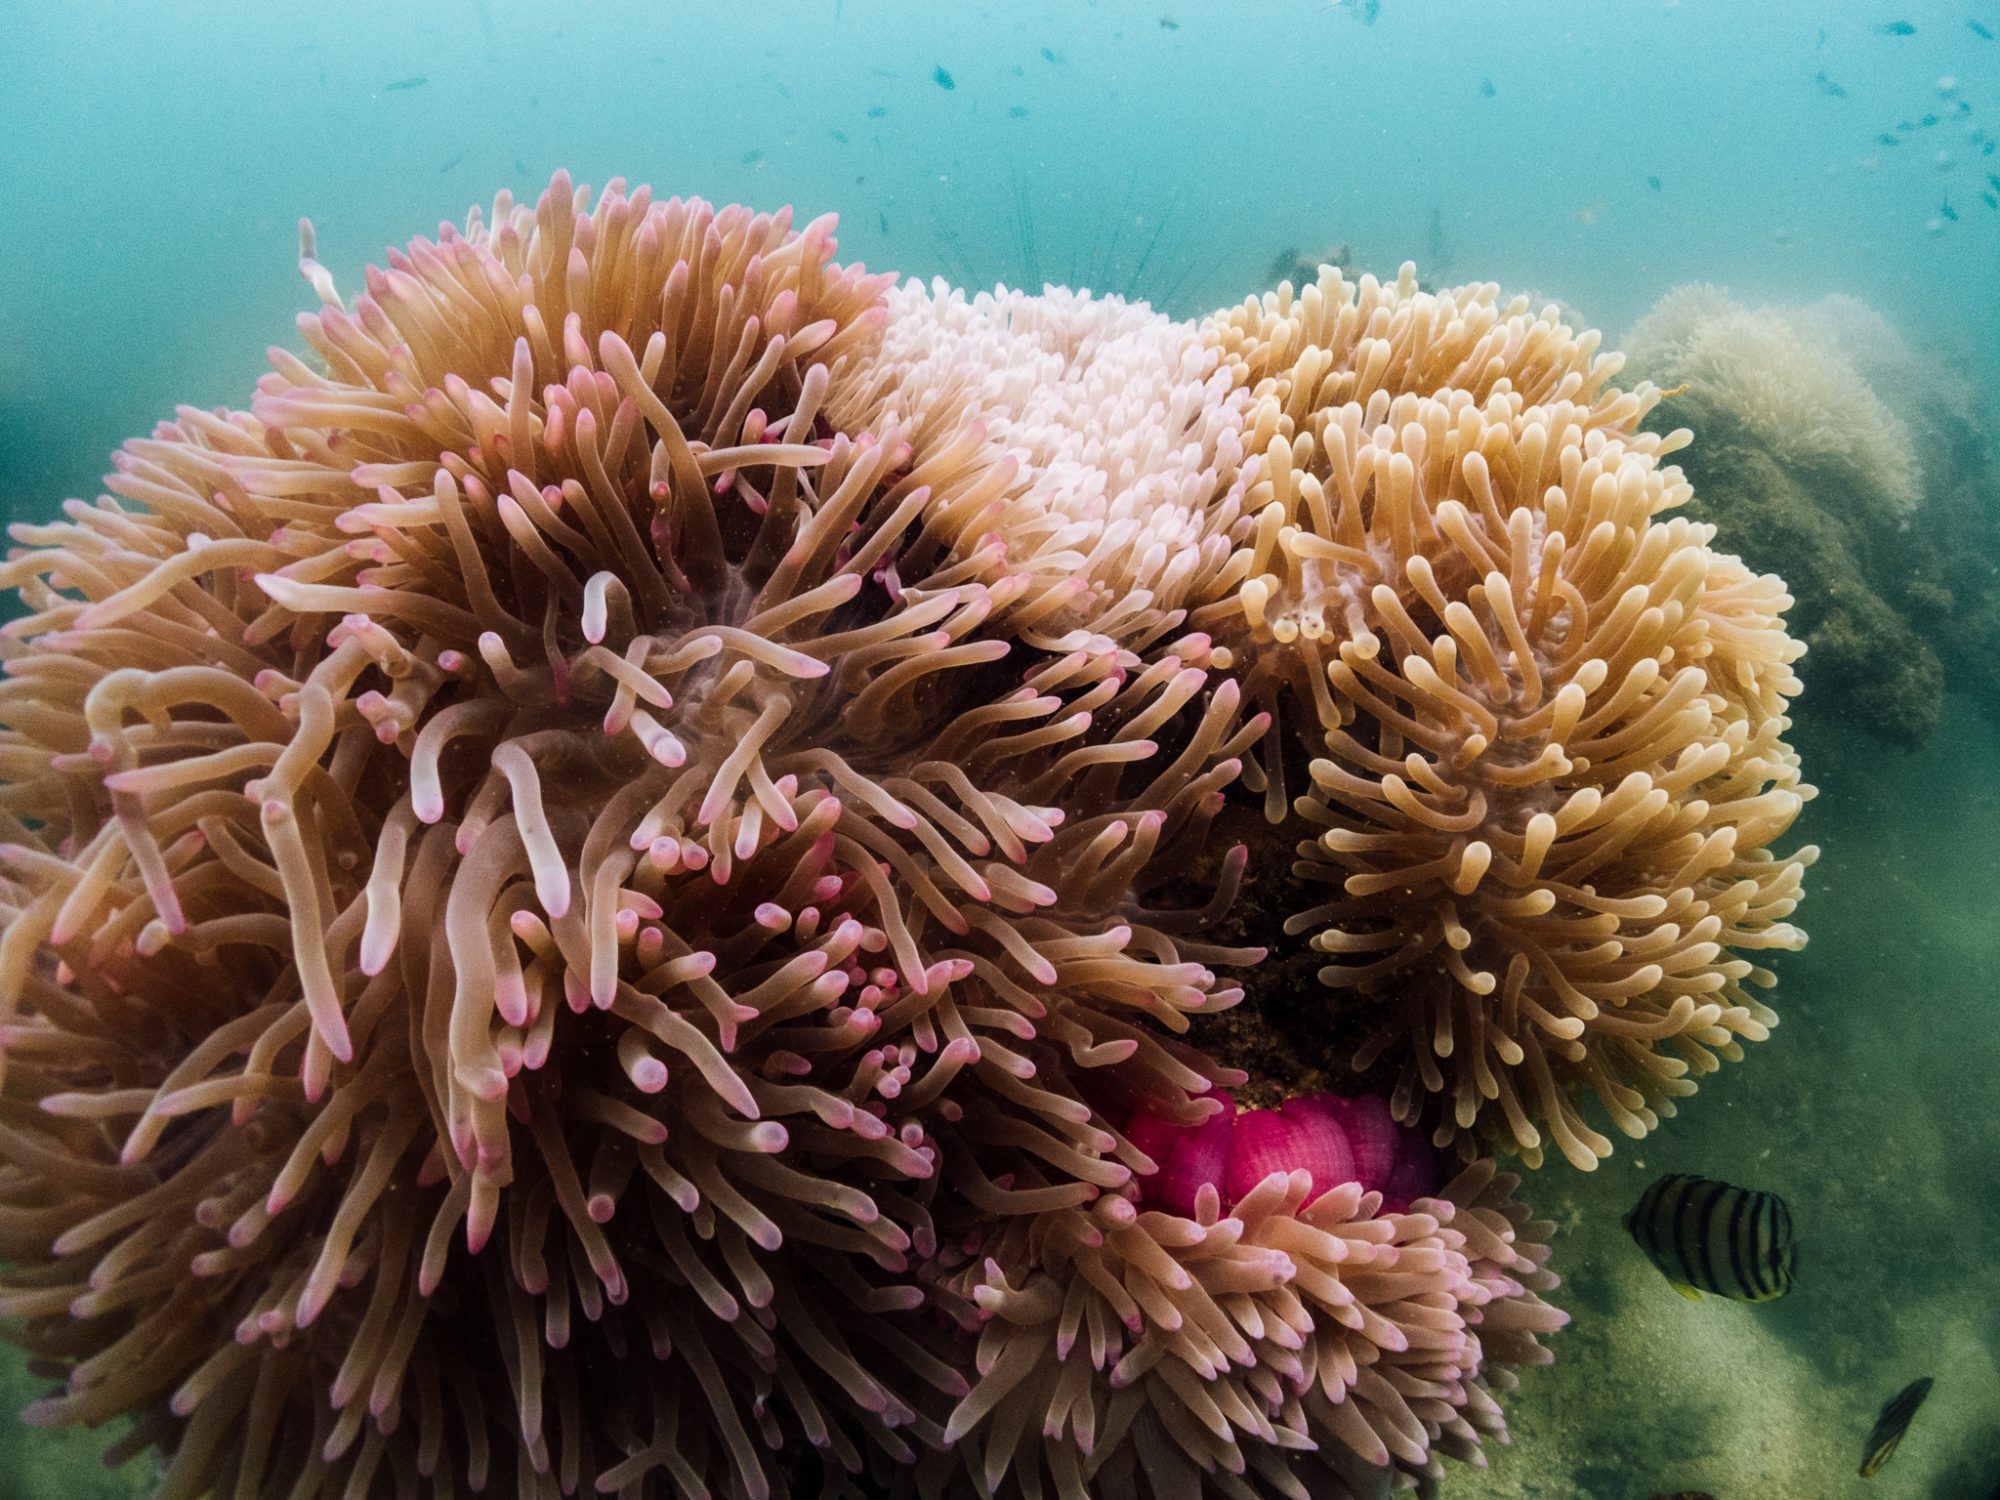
1684,1289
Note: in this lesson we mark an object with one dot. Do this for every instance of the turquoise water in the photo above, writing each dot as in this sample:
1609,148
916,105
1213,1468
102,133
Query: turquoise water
156,160
158,156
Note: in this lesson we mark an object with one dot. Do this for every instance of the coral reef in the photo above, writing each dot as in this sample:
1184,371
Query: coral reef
638,878
1776,384
1830,449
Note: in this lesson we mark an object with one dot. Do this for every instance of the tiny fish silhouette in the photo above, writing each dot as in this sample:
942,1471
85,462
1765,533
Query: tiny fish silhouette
1895,28
1979,29
450,164
943,79
1486,88
520,166
1370,9
750,158
1892,1423
1018,112
1994,178
405,83
1926,122
1948,211
839,135
1653,183
882,219
1886,139
1048,54
877,112
1991,201
1168,23
1828,87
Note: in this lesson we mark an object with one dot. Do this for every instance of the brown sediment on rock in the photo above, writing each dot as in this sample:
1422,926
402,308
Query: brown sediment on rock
1828,448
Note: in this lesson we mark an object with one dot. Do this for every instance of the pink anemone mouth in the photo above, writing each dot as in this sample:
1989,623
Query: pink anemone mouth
1335,1140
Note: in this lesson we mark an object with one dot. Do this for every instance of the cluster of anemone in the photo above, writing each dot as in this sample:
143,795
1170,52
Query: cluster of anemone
614,886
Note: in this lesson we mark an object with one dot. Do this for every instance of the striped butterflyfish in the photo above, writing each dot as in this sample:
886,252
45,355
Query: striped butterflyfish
1708,1236
1892,1423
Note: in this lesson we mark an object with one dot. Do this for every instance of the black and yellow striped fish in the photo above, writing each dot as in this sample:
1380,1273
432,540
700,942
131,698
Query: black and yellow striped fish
1892,1423
1708,1236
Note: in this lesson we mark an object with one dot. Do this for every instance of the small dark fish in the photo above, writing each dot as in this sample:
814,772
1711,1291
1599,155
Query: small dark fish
750,158
1886,139
1905,126
450,164
1168,23
1370,9
882,219
405,83
1979,29
1994,178
1987,149
1991,201
1892,1423
1486,89
1895,28
877,112
1828,87
839,135
1926,122
1948,211
1048,54
1709,1236
1653,183
520,166
943,79
1017,112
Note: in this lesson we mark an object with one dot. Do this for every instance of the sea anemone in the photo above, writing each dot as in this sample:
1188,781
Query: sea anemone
1302,1346
1553,759
528,848
1119,431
